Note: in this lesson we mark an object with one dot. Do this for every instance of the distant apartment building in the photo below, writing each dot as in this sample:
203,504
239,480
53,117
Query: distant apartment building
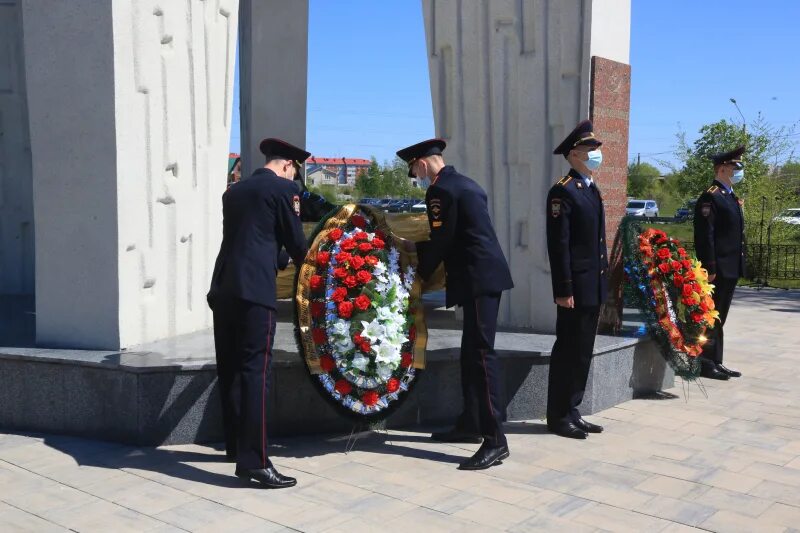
345,169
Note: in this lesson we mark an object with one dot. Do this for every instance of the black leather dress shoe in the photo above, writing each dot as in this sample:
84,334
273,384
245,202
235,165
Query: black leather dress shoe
268,478
588,427
711,372
457,435
729,371
485,457
566,428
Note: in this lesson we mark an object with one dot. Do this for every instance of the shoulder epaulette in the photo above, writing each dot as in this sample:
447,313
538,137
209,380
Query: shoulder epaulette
713,189
563,181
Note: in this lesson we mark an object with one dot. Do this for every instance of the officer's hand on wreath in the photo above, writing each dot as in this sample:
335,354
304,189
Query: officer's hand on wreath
566,301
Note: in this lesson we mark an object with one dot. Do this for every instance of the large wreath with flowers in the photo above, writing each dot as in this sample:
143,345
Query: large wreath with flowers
358,317
671,287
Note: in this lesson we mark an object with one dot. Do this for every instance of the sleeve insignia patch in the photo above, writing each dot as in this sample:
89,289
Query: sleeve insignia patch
296,204
435,205
705,209
555,207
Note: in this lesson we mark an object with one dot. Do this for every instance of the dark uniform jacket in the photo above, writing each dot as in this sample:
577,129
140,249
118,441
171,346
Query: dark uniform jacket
463,237
261,215
576,241
719,232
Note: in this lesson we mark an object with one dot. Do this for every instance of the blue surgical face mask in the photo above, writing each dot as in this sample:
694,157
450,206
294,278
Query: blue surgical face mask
594,161
737,175
424,182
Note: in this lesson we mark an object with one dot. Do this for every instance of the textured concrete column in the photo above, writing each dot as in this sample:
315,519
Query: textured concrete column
509,79
130,105
16,185
273,70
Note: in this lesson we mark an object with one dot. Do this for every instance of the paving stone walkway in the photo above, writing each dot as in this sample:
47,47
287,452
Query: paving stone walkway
726,462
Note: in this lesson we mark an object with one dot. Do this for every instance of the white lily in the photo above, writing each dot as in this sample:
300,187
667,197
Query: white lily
386,352
373,330
360,362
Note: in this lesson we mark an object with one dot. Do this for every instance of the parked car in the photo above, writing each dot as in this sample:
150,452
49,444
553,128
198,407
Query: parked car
789,216
418,208
642,208
396,206
686,211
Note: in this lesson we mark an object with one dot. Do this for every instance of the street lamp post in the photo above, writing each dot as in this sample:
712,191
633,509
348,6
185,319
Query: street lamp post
744,120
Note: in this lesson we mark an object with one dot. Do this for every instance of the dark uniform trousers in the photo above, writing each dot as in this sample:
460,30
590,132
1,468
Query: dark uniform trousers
570,360
481,372
243,336
722,296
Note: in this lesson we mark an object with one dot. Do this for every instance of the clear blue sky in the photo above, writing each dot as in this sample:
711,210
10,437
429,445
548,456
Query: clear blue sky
369,92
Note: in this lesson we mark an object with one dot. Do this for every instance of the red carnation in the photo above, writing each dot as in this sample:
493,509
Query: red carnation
697,317
348,245
340,272
371,260
315,282
357,339
365,247
687,289
392,385
342,257
335,234
412,333
704,306
682,252
696,287
677,280
317,309
358,221
319,336
326,363
363,277
369,398
365,346
406,359
663,253
357,262
339,294
689,276
350,281
346,309
323,258
686,264
689,300
661,240
363,302
676,265
379,234
361,236
664,267
343,387
378,243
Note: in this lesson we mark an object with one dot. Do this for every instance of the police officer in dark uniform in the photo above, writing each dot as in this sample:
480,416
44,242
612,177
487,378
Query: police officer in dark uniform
477,273
719,244
261,215
579,265
313,207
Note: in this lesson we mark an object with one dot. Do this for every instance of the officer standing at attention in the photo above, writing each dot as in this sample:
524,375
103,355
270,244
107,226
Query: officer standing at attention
578,261
261,215
461,235
719,244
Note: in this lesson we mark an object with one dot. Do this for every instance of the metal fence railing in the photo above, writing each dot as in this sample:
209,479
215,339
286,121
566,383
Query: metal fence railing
769,261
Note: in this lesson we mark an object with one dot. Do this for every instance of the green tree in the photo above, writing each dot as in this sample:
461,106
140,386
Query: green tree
641,179
760,186
369,184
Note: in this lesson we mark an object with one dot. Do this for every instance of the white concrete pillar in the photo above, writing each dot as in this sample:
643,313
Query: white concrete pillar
130,105
273,71
16,185
509,79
